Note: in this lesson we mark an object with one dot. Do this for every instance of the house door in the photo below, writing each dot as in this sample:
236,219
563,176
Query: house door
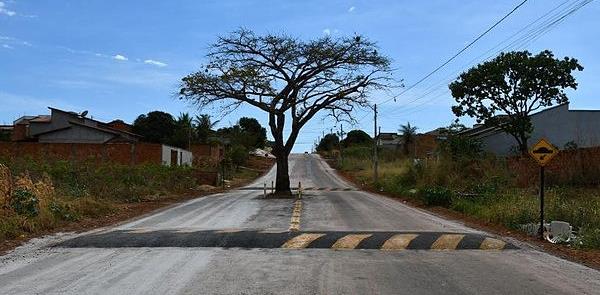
174,158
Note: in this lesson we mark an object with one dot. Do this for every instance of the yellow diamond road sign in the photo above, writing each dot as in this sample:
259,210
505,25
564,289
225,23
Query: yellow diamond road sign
543,152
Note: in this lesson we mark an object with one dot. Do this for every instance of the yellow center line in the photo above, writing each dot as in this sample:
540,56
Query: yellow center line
492,244
296,213
301,241
349,241
398,242
447,242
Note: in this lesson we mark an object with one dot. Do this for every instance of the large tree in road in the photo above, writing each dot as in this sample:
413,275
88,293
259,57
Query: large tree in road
289,79
503,92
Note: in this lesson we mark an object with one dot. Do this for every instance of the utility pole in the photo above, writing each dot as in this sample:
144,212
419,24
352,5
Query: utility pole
375,156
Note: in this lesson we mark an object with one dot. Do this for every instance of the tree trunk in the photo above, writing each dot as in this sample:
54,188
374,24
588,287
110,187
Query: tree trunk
282,181
523,145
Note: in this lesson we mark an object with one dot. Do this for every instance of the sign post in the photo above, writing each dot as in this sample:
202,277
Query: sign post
542,152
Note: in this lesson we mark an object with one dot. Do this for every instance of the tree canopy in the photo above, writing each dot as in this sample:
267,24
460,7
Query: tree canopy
156,127
503,92
357,137
329,142
247,133
204,126
289,79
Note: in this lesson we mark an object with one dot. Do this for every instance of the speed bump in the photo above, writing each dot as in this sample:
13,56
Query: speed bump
398,242
301,241
231,238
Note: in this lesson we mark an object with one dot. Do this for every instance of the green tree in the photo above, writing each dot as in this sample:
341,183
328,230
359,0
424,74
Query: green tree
357,137
458,146
328,143
184,131
408,135
503,92
203,126
238,155
156,127
254,135
289,79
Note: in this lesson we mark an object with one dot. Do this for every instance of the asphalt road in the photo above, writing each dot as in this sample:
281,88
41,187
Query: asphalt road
343,241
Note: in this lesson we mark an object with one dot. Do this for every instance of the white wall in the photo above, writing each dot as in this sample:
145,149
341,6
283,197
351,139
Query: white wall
184,157
559,125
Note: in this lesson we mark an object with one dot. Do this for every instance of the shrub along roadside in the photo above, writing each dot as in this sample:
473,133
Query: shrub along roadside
40,196
483,187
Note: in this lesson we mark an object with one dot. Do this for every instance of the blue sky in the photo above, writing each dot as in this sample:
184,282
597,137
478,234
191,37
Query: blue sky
119,59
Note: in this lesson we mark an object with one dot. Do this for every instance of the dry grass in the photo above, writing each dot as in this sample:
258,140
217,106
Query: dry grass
5,185
66,192
485,188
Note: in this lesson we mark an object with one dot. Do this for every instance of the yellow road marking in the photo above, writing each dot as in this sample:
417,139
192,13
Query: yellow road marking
296,213
301,241
492,244
398,242
349,241
447,242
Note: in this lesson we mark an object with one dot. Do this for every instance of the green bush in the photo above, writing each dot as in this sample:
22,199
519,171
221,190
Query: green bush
588,238
436,196
63,211
24,202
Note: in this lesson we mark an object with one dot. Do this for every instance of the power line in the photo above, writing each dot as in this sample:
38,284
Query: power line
453,57
459,52
520,42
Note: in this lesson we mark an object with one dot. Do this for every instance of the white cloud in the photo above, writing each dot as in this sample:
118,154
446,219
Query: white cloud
6,11
351,9
120,57
7,46
14,42
155,63
327,32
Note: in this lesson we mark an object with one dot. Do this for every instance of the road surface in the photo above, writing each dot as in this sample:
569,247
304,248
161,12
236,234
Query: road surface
342,241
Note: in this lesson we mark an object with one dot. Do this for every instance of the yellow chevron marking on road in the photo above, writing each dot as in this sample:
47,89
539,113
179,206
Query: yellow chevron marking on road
349,241
398,242
447,242
301,241
492,244
296,213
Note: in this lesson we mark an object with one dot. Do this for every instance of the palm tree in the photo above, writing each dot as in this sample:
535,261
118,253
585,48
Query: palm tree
408,134
204,126
185,124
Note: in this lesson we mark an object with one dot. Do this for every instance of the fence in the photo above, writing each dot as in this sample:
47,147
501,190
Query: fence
122,153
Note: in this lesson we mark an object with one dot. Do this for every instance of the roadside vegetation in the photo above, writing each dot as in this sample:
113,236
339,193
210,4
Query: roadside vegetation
460,177
41,196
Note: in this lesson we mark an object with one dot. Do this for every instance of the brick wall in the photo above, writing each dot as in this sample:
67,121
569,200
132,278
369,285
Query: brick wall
572,167
206,154
122,153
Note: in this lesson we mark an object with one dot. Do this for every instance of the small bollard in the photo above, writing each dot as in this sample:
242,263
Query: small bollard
265,190
299,190
272,187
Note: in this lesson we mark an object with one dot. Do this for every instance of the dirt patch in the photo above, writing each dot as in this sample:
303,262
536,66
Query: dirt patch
590,258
